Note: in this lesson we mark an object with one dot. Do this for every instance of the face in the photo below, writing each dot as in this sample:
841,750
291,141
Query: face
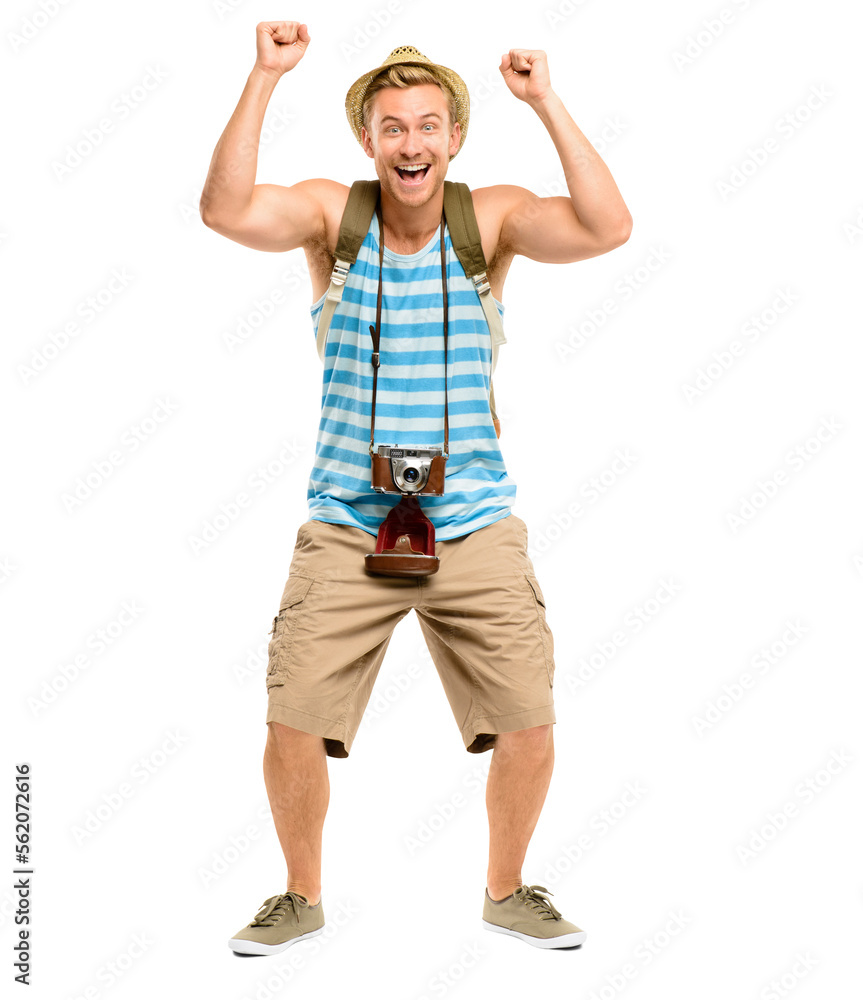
410,128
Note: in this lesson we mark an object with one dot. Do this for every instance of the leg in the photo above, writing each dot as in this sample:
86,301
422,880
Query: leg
518,780
298,787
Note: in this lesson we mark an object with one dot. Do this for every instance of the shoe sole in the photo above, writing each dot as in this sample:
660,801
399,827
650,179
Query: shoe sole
243,947
563,941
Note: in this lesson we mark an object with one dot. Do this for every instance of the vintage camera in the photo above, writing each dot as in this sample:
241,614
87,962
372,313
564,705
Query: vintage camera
409,471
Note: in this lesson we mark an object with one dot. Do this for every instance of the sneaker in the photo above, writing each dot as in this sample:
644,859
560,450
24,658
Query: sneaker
281,921
527,914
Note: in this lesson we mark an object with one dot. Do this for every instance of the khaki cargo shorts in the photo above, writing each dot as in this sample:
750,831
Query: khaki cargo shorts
482,615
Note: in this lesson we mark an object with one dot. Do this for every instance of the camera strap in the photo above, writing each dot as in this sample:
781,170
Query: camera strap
376,330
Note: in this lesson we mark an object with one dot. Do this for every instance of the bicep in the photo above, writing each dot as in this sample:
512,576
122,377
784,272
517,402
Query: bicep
547,230
277,218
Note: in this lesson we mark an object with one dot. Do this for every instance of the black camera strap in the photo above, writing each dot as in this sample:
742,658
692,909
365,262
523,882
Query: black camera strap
376,330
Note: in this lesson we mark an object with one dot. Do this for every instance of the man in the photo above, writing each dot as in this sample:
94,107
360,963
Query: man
482,613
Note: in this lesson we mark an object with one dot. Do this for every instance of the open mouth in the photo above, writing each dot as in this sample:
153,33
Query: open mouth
413,174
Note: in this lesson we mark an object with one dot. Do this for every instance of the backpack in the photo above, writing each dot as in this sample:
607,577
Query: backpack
464,232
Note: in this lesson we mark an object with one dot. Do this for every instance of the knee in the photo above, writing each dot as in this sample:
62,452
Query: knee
281,738
536,740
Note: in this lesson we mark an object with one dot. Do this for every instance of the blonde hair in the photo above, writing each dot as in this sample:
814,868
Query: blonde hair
404,76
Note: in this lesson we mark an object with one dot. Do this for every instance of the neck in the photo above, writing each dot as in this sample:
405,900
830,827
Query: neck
408,229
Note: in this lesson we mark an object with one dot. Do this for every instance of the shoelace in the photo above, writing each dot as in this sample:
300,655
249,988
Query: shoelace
532,896
274,908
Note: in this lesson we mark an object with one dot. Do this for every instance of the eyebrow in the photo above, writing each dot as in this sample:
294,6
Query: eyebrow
428,114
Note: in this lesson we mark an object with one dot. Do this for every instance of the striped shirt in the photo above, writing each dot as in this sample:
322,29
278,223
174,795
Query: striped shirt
409,409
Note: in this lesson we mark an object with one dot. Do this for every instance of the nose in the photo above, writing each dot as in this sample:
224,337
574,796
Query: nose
412,143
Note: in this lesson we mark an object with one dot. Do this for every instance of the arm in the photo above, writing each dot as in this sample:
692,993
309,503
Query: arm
261,216
594,219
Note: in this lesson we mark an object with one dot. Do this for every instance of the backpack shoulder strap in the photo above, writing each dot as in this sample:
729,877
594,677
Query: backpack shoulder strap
354,225
467,243
460,217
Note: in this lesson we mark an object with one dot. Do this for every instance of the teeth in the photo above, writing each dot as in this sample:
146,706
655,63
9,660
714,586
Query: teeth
413,167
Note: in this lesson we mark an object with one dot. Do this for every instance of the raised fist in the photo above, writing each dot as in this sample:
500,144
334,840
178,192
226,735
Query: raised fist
281,45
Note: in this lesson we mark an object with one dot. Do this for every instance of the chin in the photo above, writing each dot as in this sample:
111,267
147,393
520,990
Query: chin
417,198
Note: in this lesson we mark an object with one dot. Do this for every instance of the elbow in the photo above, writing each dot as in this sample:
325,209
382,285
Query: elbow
622,231
208,210
613,234
206,214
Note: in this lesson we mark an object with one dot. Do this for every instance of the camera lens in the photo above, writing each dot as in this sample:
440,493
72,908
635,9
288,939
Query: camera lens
411,475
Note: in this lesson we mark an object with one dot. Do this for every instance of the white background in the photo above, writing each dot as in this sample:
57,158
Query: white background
172,710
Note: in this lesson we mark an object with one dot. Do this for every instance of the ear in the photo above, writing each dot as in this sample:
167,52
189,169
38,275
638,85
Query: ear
455,139
367,142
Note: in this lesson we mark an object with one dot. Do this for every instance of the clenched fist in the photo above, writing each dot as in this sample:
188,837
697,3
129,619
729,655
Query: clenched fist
525,72
281,45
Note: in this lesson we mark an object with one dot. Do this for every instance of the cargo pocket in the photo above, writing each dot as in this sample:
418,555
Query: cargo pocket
544,631
284,628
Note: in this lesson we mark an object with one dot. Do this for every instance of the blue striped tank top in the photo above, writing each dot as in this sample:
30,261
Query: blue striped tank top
410,396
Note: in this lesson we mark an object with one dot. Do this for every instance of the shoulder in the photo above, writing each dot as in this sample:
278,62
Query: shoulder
331,197
498,200
496,204
493,205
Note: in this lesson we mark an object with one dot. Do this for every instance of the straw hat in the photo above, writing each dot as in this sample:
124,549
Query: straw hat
409,55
